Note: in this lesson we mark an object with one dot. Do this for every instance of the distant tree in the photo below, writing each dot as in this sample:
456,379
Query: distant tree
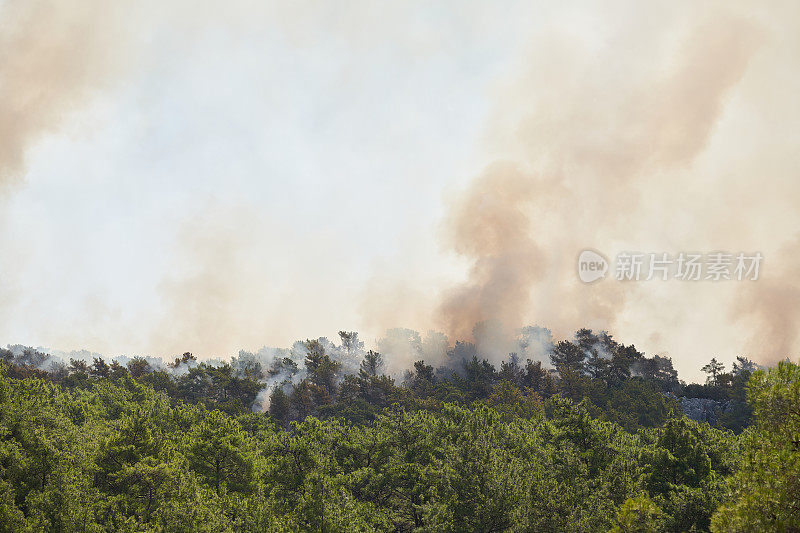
623,358
372,365
538,378
635,404
744,365
657,369
279,405
350,341
284,367
739,413
511,371
58,371
509,400
138,367
462,351
29,359
116,370
479,377
568,355
78,366
78,374
322,370
251,370
6,356
714,368
186,359
572,383
586,339
302,400
597,366
422,380
100,370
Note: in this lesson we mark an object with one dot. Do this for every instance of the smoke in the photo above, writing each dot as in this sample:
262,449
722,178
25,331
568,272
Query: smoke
586,148
229,285
283,367
209,308
54,57
491,226
772,306
654,128
593,145
401,347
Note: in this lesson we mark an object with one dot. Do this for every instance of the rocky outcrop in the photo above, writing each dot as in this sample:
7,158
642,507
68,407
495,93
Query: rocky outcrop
704,409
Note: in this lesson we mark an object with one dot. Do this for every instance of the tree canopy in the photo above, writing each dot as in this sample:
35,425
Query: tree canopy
598,443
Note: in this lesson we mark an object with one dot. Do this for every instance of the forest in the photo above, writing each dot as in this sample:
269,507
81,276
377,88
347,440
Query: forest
595,438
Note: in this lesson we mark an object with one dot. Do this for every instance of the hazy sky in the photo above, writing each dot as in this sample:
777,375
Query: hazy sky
209,176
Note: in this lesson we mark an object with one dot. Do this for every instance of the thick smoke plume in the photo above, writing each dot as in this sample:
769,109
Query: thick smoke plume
491,225
645,128
53,57
774,306
585,154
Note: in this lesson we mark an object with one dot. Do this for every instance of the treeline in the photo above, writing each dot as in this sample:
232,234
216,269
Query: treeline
620,383
219,386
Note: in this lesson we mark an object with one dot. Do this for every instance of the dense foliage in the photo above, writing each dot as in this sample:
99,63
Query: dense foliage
597,443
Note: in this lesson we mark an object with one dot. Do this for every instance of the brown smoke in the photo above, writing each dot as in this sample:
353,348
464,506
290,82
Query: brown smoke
589,152
214,291
53,56
773,304
491,225
614,135
228,289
